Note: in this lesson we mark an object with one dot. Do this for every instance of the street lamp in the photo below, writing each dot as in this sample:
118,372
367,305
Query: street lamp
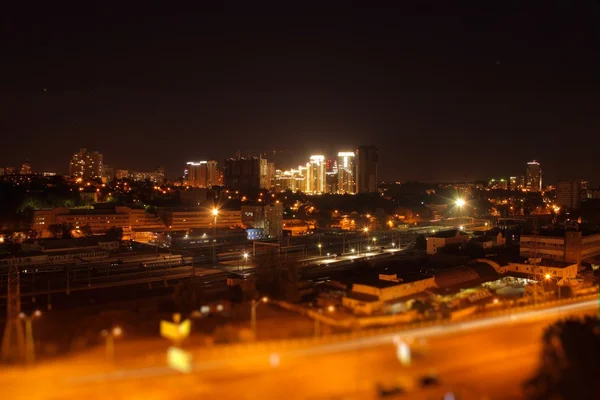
109,343
548,277
320,246
29,344
331,308
255,304
245,259
460,204
215,214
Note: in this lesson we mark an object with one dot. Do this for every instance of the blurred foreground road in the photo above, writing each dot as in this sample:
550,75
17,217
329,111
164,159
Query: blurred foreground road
481,359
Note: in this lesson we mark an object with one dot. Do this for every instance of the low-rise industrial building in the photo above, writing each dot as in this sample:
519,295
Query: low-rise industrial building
445,238
568,246
99,219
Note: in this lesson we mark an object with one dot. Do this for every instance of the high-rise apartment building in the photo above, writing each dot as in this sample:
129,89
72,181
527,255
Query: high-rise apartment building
243,173
366,166
568,194
86,164
533,176
204,174
315,174
25,168
346,171
516,182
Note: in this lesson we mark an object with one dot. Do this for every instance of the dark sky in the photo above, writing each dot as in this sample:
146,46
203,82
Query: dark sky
446,93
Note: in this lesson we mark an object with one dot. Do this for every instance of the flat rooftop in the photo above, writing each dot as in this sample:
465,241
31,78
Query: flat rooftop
374,280
546,262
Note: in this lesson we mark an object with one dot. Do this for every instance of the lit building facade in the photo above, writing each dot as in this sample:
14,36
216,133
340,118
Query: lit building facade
203,174
346,172
181,219
86,164
293,180
572,247
367,169
99,220
157,176
268,218
315,175
533,176
25,168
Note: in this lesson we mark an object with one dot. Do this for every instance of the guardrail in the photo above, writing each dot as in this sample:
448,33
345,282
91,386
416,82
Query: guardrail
289,344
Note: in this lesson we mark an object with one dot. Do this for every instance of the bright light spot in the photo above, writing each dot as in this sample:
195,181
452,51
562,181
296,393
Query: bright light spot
449,396
352,250
461,227
264,299
246,255
205,309
22,315
496,301
331,308
219,307
460,202
215,212
37,313
274,360
117,331
403,354
547,276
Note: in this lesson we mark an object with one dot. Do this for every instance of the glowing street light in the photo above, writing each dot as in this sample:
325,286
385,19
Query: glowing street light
331,308
352,250
29,344
245,259
255,304
320,246
365,229
460,202
215,212
110,336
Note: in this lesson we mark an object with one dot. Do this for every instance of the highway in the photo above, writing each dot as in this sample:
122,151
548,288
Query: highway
486,358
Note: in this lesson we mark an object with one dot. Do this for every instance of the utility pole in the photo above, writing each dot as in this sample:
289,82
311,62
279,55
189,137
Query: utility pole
13,341
534,259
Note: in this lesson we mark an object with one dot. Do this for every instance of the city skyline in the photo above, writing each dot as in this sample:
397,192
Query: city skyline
456,95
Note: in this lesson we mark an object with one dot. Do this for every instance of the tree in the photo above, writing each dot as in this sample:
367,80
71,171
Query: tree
65,230
570,362
86,230
55,230
115,233
188,295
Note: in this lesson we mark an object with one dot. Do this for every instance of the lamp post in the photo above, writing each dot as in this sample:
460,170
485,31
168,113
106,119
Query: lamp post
29,344
460,204
215,214
109,344
245,260
255,304
548,277
320,249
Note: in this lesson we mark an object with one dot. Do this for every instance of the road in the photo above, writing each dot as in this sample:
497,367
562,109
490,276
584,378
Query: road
486,358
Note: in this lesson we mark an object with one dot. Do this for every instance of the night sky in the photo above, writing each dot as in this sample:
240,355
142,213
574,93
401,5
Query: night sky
445,93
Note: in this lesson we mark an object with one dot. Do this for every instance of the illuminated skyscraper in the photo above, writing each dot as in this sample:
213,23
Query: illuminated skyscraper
204,174
366,169
86,164
533,176
315,175
346,172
